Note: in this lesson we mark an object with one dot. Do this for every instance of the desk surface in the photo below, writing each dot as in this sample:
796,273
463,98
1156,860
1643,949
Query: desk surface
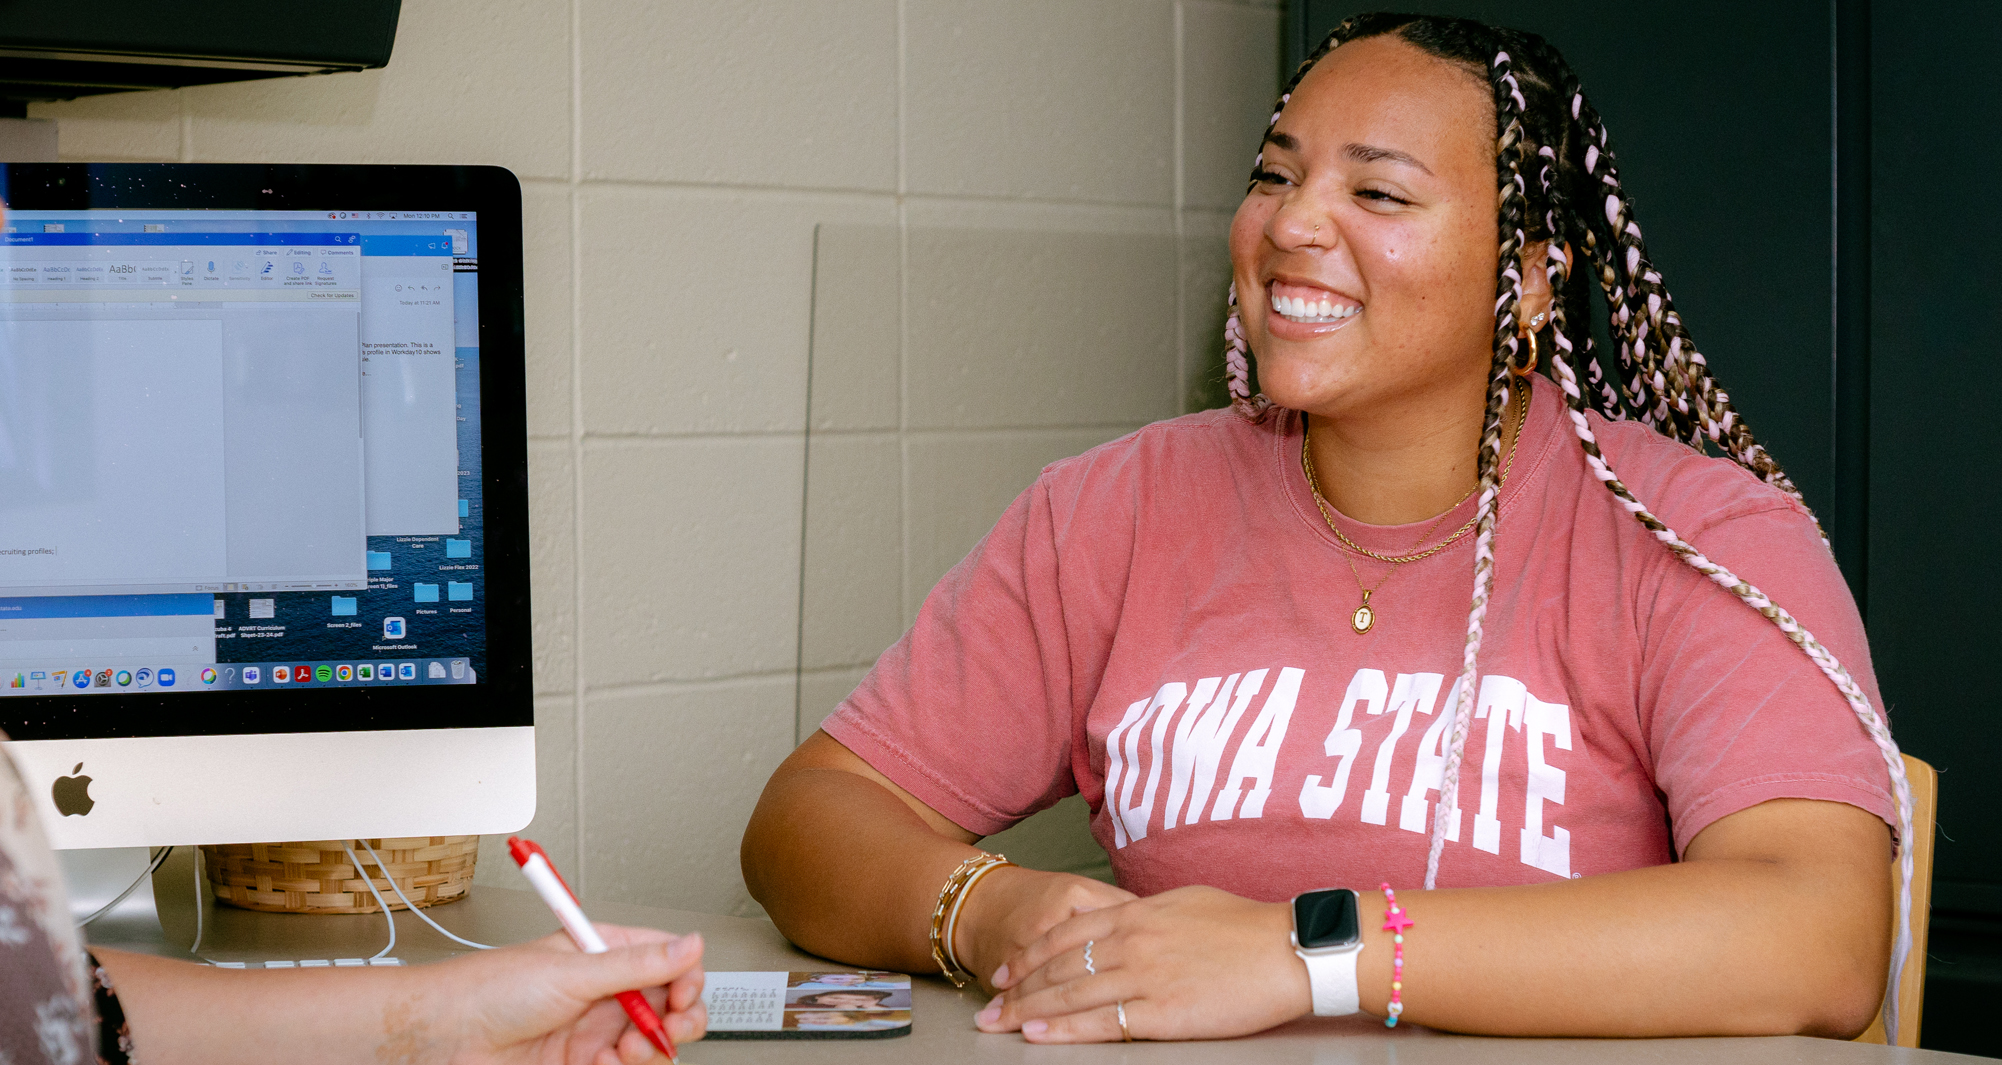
944,1030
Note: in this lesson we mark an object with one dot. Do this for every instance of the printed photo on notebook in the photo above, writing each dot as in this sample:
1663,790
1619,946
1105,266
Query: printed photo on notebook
835,1005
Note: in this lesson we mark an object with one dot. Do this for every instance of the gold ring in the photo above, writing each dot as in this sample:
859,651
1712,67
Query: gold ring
1124,1032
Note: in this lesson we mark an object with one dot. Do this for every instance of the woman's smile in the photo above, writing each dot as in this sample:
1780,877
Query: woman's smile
1302,311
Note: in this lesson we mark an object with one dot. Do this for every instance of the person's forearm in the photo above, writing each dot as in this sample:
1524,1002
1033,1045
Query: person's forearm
1712,947
847,870
198,1015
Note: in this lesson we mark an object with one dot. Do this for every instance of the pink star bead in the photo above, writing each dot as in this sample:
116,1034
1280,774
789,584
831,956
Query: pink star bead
1396,920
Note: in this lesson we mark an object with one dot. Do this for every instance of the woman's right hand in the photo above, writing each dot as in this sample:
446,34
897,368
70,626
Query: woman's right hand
546,1001
1012,907
538,1003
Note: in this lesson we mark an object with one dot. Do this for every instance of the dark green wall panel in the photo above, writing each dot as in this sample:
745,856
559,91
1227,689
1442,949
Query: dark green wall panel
1935,439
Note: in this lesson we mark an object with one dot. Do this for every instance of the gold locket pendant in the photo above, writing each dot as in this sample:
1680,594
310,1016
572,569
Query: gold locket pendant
1364,617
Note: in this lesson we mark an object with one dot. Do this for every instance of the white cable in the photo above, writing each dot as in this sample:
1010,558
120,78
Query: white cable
369,882
196,948
425,917
129,888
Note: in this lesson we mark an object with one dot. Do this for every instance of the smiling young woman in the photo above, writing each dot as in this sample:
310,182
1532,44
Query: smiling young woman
1599,789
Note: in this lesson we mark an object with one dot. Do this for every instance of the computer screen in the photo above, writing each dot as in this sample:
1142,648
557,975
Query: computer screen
261,459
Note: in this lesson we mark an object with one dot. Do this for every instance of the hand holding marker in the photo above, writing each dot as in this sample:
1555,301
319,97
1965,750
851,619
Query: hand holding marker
556,894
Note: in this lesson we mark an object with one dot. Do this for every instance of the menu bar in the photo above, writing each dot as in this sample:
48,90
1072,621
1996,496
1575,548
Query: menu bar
299,272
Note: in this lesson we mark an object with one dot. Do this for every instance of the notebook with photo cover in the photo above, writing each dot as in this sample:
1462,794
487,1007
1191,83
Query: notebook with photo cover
825,1005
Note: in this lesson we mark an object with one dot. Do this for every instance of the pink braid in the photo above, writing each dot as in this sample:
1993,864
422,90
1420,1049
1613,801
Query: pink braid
1508,163
1873,722
1237,368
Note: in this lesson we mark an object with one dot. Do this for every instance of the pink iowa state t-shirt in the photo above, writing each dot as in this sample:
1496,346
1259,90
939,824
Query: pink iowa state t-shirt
1163,625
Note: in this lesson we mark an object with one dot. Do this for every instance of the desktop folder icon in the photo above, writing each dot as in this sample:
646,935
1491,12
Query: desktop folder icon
378,560
459,591
458,548
426,593
345,605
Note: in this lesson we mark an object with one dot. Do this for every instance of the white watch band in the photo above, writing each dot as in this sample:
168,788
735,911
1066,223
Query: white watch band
1332,975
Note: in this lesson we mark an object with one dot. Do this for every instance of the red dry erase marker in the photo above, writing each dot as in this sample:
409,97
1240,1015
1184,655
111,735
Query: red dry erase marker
556,894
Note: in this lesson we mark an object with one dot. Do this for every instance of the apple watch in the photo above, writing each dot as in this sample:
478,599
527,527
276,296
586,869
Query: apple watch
1327,935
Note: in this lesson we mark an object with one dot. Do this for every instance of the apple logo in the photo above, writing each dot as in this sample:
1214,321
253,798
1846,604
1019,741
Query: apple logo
72,794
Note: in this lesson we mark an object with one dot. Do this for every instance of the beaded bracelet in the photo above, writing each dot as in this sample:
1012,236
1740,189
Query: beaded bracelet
1395,921
945,914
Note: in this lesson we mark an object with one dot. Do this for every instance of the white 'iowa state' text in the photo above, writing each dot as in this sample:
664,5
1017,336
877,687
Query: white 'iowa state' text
1182,734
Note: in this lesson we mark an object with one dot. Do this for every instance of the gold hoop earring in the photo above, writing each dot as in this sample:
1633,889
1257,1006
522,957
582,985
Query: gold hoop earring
1529,367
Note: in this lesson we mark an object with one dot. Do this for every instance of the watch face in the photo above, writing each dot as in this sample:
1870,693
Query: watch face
1325,918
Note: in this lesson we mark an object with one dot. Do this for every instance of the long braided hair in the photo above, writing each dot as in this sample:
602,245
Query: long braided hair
1557,182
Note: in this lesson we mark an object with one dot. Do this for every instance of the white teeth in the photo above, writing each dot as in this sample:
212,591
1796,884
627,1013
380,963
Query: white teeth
1299,309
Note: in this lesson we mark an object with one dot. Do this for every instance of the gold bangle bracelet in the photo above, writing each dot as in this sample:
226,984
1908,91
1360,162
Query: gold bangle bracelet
950,895
951,933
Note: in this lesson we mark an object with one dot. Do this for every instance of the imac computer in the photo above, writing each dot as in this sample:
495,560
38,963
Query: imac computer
263,502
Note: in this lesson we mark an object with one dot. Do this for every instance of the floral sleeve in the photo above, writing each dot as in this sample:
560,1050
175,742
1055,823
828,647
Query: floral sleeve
45,992
114,1036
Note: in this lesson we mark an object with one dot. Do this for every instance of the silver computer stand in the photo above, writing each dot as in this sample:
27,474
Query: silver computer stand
96,878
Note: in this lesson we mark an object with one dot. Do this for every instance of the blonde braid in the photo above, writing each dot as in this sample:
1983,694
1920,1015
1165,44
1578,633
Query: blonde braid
1558,228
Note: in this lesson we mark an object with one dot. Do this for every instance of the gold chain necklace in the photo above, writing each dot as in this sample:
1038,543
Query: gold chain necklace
1364,617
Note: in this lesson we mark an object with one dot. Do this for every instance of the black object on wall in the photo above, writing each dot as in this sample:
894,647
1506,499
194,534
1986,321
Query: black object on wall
1817,187
59,51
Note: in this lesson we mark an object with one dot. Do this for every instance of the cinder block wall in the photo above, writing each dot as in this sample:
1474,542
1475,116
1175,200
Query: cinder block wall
677,160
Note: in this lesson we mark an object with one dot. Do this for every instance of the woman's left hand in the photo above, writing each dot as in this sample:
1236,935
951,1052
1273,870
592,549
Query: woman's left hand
1192,963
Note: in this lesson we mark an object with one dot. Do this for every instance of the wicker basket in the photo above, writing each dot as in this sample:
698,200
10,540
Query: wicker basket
315,876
